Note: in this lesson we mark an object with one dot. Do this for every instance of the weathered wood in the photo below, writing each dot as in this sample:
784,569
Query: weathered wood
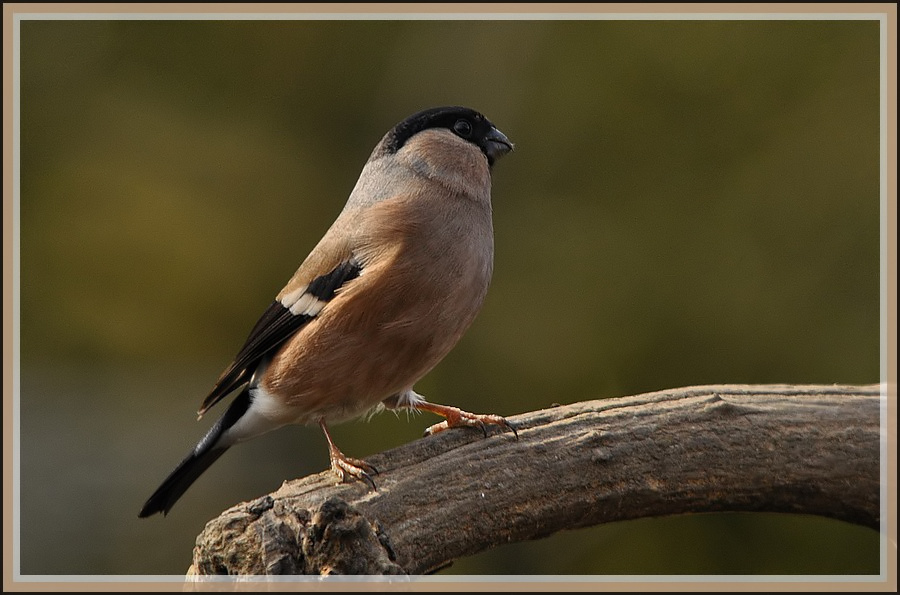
799,449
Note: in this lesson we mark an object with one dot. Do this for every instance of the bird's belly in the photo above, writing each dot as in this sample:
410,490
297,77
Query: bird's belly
347,374
378,336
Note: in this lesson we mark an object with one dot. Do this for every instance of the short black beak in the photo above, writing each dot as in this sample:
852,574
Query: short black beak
496,145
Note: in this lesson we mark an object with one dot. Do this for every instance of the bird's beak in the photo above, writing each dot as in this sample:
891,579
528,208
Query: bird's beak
496,145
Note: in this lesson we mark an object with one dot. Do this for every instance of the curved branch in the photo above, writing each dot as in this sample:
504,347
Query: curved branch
799,449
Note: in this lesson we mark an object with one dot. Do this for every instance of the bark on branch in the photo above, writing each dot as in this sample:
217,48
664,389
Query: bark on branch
798,449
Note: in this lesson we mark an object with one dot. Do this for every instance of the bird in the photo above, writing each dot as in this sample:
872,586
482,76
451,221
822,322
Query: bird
382,298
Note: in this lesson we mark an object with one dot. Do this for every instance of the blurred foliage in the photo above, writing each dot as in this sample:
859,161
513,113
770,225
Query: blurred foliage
689,202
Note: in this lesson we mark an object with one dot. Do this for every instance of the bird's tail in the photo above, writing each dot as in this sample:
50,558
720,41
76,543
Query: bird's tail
207,452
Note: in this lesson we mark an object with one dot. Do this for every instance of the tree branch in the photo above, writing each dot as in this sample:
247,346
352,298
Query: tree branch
798,449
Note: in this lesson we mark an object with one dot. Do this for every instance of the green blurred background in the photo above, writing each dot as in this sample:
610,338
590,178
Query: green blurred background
689,202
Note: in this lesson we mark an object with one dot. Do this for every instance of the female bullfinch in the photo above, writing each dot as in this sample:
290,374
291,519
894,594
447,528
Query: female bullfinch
382,298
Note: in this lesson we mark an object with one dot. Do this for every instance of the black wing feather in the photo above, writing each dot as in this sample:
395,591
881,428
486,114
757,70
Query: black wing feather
274,327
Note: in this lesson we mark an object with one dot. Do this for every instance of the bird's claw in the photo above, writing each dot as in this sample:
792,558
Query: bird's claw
347,468
457,418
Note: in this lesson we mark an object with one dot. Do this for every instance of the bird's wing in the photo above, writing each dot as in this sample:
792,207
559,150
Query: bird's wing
295,306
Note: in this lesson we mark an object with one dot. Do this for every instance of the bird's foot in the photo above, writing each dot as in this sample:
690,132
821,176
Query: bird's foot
457,418
347,468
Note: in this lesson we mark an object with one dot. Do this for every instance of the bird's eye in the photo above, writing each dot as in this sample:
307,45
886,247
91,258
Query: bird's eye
463,128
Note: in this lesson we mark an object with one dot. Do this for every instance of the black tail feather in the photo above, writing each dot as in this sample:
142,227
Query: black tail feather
177,483
199,460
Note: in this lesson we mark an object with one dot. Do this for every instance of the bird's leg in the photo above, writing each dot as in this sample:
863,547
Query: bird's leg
344,466
456,418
